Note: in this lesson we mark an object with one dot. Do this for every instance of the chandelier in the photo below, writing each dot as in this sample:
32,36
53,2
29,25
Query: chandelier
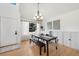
38,17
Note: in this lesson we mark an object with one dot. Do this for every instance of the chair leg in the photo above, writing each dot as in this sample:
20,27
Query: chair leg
40,50
56,43
56,48
30,41
44,49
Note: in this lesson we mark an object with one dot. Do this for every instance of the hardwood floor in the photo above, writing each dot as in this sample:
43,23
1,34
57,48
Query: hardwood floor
28,49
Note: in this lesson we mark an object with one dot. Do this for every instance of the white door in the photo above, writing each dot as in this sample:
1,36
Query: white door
8,28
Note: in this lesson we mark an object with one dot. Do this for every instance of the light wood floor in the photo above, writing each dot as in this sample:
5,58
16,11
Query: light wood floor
28,49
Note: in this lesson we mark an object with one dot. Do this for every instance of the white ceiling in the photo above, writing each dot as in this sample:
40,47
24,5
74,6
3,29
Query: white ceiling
28,10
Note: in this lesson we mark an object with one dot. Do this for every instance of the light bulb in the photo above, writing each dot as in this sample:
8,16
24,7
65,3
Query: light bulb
37,16
41,17
34,18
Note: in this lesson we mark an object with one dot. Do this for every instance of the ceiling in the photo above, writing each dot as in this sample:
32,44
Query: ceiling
48,10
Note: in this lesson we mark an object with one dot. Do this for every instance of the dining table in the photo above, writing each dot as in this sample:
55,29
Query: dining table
47,39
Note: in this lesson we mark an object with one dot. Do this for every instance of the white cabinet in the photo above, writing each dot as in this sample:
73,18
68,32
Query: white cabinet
69,39
59,36
8,30
74,40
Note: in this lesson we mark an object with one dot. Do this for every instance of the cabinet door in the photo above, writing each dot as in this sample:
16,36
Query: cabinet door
60,39
55,33
8,28
59,36
74,40
66,39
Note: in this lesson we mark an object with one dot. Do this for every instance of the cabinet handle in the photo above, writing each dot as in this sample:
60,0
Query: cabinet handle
15,32
69,39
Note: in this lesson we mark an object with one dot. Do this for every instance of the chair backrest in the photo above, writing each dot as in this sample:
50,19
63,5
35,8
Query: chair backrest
34,38
50,33
47,34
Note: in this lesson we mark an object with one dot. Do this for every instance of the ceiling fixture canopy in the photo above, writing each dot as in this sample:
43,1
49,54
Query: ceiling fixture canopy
38,16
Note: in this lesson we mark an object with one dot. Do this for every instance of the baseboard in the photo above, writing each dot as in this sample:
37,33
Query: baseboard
9,48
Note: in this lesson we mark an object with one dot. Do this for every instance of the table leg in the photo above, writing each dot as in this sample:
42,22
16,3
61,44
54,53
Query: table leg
40,50
44,49
30,43
56,43
47,49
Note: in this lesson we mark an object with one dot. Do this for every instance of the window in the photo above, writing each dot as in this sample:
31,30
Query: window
56,25
32,27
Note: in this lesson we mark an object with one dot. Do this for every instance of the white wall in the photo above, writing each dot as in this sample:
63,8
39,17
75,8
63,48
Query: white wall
28,10
68,21
0,27
25,34
9,10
